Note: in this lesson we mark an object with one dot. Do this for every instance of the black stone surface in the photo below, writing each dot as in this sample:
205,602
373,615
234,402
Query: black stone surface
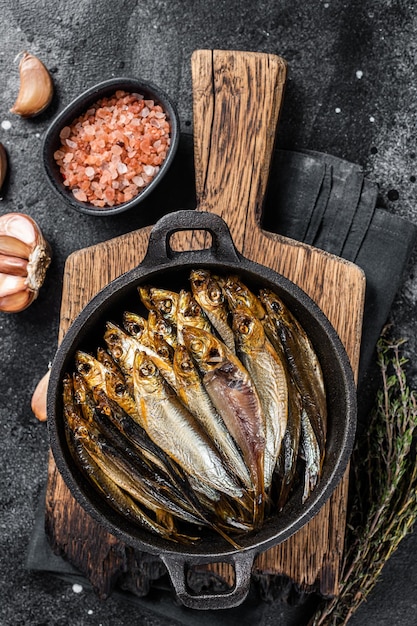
351,92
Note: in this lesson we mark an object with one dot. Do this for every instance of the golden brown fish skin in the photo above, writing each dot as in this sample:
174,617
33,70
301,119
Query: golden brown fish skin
234,395
164,301
237,293
209,295
141,483
190,313
268,374
281,326
96,375
115,496
191,391
160,327
287,461
137,326
311,453
122,348
172,427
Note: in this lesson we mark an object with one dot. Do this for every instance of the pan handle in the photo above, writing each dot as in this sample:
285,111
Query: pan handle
159,249
177,567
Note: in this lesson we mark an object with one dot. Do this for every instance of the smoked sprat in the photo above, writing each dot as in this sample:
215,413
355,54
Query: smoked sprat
179,431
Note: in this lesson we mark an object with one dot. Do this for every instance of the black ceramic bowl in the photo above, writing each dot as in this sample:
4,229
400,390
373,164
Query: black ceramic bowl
81,104
163,267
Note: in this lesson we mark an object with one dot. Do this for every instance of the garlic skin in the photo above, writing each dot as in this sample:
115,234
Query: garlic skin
3,164
25,256
38,402
36,87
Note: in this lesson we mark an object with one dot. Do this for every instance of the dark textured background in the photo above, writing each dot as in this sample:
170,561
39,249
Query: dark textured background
367,117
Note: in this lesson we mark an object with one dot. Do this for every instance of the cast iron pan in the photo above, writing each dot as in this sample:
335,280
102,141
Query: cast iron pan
164,267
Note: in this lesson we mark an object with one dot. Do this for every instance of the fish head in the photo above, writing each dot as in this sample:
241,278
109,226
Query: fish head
183,364
121,346
135,324
163,349
206,289
248,329
237,293
145,296
80,389
146,376
272,303
206,350
160,326
90,369
190,312
106,359
165,302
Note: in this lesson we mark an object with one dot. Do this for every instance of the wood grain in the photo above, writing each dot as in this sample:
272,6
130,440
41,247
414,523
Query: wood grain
237,98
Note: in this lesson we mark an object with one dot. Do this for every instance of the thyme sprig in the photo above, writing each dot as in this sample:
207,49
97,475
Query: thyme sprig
383,504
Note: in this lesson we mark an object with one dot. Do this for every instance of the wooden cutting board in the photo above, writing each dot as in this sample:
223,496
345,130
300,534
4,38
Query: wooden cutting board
236,98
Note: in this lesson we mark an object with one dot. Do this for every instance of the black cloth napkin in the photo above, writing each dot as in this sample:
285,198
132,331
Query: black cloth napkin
326,202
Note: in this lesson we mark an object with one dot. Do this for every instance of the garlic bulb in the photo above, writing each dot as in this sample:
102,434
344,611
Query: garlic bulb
36,87
24,258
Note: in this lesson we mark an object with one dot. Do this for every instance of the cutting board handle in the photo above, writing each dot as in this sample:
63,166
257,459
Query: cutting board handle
237,98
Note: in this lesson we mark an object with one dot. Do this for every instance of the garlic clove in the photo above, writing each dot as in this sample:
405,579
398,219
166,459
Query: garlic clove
20,226
16,301
3,164
38,403
13,246
13,265
36,87
10,284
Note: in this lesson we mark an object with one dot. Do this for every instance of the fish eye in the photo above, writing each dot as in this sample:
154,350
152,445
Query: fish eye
244,327
137,328
215,294
85,368
196,345
120,389
117,352
276,307
199,282
147,369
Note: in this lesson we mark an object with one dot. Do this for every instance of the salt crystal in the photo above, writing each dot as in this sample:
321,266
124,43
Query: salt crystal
159,115
79,195
6,125
89,172
149,103
77,588
65,132
359,74
337,110
149,170
138,180
144,112
122,168
70,144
